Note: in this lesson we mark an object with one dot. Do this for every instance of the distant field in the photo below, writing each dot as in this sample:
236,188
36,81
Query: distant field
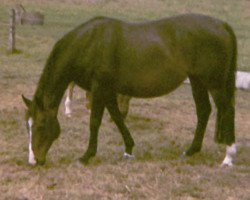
61,16
162,127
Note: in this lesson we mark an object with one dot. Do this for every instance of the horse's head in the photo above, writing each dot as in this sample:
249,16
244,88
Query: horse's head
43,128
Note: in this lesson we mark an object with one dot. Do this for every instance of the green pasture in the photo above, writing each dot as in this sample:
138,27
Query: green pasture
61,16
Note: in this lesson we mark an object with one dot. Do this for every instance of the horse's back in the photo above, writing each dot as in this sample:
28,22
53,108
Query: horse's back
150,58
159,55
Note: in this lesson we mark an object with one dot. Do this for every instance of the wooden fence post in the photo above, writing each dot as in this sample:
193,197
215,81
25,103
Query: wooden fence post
11,41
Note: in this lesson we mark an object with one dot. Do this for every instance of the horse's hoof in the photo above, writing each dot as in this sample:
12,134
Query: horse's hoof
191,151
128,156
227,164
83,160
183,155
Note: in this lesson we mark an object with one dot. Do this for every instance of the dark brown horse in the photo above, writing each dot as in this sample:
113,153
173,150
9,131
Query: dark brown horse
108,56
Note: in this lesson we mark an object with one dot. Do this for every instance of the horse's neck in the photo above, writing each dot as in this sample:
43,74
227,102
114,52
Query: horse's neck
51,88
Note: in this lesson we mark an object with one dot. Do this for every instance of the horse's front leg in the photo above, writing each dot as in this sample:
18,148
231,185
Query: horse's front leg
97,108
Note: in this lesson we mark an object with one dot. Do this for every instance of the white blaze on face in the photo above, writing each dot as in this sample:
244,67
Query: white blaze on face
231,151
32,160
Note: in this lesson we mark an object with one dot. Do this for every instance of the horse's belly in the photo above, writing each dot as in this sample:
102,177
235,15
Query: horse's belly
151,84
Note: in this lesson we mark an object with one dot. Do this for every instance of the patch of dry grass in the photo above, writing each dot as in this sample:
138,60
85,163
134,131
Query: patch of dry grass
162,127
157,173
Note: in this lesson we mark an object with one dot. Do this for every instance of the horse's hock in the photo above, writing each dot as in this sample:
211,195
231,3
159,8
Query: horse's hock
31,18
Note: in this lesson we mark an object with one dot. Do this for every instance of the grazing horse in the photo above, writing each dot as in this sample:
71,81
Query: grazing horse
122,100
108,57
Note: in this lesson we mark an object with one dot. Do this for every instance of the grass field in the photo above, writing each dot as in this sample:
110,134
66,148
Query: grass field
162,127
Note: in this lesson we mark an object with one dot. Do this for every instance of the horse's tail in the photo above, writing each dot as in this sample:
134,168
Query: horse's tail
228,136
230,82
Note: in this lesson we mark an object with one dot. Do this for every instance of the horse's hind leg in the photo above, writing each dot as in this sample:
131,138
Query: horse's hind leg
117,117
224,132
203,110
123,104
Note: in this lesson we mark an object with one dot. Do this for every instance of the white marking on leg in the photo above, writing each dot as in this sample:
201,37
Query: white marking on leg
67,104
230,152
69,98
32,160
128,156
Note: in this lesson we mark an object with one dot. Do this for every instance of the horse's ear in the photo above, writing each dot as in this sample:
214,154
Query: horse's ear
26,101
